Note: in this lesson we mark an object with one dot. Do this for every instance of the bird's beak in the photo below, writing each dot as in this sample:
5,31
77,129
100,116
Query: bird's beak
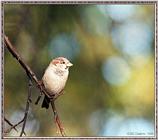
69,64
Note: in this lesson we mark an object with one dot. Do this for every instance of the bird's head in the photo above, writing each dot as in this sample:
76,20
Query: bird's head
61,63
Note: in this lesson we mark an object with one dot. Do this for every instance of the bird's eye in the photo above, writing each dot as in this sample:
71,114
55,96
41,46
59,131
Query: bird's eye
63,62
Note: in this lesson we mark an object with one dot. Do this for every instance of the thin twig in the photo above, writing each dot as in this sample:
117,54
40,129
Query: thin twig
27,107
33,77
26,112
6,120
57,95
14,126
38,99
57,119
28,70
39,96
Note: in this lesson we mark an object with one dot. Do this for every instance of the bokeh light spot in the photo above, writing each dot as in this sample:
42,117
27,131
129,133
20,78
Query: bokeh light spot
118,125
120,12
116,71
95,21
134,39
64,45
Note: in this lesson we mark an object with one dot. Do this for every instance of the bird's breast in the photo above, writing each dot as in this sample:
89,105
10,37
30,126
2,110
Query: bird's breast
53,82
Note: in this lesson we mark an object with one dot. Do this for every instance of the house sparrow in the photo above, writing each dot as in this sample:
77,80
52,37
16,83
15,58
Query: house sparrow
55,78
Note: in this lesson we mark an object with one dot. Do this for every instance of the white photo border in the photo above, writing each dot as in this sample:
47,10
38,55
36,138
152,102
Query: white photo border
71,2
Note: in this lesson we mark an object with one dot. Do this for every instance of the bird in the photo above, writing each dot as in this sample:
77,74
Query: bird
55,78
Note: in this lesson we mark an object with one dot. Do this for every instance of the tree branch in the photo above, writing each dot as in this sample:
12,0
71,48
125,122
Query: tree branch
28,70
39,85
14,126
57,119
27,107
6,120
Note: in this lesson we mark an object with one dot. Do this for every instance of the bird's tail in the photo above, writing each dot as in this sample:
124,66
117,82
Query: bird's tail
46,102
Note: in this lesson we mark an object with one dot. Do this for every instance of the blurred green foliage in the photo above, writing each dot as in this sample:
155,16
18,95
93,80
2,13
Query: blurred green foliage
90,36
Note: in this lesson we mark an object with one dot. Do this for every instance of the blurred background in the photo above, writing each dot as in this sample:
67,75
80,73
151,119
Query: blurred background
110,90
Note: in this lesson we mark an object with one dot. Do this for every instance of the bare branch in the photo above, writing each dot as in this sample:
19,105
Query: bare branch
14,126
57,119
28,70
6,120
27,107
39,85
